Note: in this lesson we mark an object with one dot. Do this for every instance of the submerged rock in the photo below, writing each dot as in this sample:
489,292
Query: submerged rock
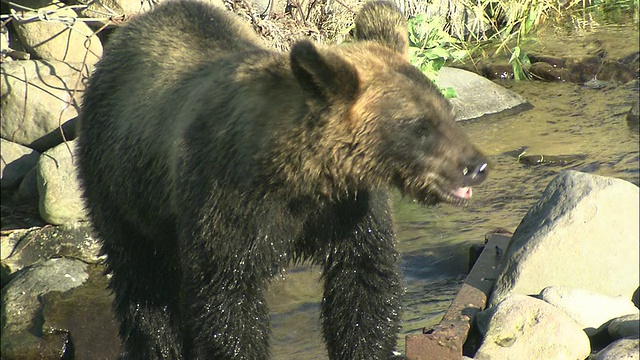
85,313
545,71
633,116
616,72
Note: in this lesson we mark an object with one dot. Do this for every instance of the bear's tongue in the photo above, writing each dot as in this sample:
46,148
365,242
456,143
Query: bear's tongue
463,192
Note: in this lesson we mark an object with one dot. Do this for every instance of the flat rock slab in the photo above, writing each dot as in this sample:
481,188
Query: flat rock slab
20,297
582,233
478,96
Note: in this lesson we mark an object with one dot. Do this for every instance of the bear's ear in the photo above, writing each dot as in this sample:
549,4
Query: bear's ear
326,75
382,22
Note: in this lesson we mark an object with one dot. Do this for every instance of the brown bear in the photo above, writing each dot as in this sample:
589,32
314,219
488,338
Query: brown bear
209,163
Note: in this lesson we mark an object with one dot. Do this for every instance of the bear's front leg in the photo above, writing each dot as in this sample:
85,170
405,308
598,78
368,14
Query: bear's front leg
362,289
224,311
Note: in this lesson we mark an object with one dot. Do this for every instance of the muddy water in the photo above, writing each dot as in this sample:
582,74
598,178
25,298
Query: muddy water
566,119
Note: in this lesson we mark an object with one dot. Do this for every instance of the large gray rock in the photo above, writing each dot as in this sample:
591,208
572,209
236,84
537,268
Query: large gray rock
21,304
58,185
69,41
478,96
582,233
522,327
16,162
38,96
589,309
623,349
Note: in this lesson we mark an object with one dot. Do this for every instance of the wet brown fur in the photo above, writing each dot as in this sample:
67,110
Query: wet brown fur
209,163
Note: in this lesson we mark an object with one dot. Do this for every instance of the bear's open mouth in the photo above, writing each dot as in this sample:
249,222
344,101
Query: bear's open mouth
457,196
464,192
437,191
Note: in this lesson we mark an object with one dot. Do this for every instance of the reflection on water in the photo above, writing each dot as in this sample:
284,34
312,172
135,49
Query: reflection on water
434,242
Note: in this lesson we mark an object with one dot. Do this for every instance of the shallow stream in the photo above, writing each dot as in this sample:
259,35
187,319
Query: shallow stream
566,119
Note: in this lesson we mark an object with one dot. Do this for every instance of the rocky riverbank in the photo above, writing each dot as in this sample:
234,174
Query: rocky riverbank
568,286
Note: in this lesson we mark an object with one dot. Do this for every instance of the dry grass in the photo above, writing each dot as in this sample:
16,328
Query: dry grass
321,20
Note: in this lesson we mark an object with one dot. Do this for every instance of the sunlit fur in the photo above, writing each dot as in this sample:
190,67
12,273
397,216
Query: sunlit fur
210,163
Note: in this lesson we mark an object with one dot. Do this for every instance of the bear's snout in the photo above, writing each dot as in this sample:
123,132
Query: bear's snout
475,170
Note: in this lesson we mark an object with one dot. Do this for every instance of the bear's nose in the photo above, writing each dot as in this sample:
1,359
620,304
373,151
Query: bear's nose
475,171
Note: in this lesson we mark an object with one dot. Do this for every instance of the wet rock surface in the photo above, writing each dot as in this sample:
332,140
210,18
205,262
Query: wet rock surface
24,247
85,314
595,69
21,307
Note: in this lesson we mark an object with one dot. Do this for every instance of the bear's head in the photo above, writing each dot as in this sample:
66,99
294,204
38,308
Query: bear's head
382,121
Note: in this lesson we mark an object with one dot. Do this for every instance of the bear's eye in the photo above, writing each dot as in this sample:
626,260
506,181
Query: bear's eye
419,127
